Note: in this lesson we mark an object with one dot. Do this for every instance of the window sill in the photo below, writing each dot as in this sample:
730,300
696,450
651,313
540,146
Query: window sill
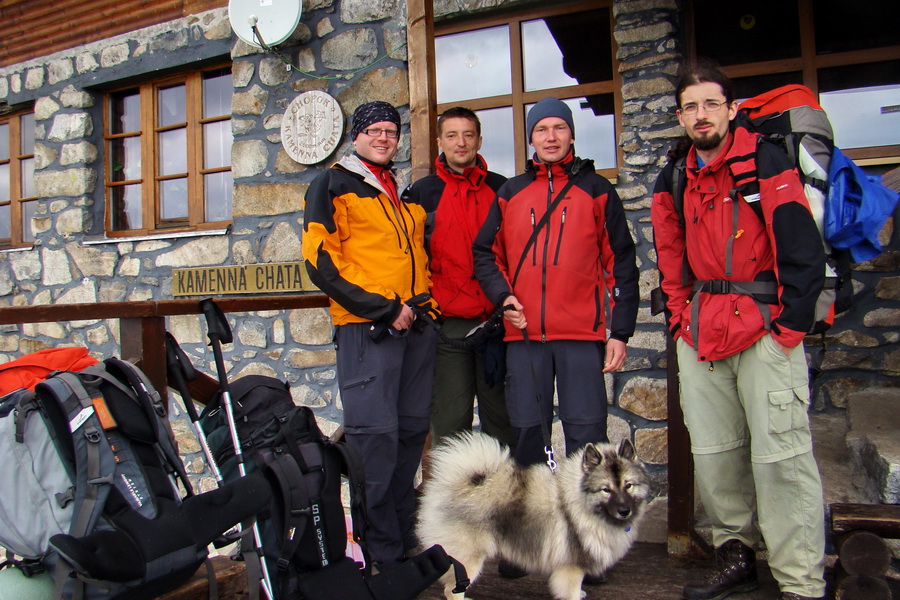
154,236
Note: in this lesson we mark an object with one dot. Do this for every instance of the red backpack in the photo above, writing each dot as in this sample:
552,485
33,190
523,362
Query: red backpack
29,370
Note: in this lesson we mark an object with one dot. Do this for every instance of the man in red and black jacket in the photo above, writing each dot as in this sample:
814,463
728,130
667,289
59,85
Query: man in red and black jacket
559,272
457,198
741,265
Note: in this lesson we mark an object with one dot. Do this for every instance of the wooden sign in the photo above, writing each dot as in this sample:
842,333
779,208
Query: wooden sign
266,278
312,127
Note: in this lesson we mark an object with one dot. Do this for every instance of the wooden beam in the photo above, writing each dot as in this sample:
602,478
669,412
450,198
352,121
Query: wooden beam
422,86
882,519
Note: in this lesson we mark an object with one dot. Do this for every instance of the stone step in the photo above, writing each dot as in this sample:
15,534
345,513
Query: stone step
873,440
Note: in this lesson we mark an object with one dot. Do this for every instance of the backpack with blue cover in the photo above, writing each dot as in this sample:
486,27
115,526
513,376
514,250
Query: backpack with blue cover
89,470
849,208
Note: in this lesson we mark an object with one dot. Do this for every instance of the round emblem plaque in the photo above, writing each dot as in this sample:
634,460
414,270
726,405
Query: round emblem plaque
312,127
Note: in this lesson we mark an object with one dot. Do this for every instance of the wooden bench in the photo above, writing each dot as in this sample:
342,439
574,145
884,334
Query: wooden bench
863,555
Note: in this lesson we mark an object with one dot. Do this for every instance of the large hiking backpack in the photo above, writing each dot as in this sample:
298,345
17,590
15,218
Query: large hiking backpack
303,530
849,208
791,117
88,466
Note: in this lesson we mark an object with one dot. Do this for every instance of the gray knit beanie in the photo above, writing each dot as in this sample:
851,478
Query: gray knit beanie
548,107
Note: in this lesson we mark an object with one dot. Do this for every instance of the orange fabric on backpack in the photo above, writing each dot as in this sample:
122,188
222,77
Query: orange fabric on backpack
31,369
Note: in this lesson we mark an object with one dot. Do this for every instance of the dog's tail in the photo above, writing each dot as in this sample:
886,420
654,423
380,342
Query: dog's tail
467,459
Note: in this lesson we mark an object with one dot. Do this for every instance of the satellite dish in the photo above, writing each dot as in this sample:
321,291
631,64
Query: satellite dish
273,20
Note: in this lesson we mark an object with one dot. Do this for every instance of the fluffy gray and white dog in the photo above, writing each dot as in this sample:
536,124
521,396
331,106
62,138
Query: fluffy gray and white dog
480,504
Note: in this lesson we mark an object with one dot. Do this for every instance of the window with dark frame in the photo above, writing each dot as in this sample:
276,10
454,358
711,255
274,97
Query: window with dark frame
168,154
849,57
501,66
17,192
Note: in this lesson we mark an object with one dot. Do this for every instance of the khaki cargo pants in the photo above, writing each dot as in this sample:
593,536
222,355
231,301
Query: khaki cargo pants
752,447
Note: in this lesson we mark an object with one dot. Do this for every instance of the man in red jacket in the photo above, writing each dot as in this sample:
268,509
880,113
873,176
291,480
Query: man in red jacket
457,197
741,267
556,246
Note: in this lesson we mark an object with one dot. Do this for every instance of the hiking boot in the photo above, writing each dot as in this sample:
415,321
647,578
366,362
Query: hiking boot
735,572
510,571
793,596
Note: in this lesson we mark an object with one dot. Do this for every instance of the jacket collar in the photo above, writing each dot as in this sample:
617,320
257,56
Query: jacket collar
355,165
569,166
474,175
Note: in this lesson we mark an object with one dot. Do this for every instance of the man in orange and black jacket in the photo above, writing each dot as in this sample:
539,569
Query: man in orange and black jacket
365,248
559,272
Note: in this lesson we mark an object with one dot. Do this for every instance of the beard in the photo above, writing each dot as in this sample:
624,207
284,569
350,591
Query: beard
707,141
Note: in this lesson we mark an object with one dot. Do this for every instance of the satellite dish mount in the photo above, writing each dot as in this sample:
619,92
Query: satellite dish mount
264,23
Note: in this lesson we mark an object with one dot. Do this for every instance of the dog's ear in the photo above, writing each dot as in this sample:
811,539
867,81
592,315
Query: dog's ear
626,449
592,458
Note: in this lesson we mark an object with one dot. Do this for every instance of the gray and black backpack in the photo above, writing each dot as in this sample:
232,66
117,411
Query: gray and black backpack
91,472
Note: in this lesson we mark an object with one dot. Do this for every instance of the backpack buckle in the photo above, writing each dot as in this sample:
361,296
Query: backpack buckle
719,286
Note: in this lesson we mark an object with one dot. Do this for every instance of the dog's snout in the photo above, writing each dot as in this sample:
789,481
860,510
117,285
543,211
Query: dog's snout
624,512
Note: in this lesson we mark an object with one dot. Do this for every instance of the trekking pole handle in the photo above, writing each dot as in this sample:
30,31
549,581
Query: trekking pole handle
216,322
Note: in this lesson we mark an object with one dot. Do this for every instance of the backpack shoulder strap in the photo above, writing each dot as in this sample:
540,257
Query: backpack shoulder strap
141,386
95,466
355,475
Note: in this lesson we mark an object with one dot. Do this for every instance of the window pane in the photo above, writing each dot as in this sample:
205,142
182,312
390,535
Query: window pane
28,211
841,26
217,89
4,182
173,152
27,166
218,196
26,131
595,129
4,221
473,64
217,139
747,87
125,112
4,141
173,199
499,148
743,32
567,50
125,159
126,207
864,117
172,110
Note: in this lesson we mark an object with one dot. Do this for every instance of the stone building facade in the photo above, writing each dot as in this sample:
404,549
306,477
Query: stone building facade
355,51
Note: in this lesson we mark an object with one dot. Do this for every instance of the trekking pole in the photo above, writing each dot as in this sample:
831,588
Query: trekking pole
219,332
181,371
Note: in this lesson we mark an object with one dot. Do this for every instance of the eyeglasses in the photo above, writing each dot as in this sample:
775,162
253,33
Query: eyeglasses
710,106
375,132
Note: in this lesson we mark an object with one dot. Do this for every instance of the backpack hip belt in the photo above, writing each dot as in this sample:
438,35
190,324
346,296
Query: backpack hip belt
754,289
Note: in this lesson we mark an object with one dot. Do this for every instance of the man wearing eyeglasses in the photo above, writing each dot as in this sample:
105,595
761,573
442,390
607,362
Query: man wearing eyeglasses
741,266
365,248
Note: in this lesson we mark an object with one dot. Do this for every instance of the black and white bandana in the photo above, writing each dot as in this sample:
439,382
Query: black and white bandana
372,112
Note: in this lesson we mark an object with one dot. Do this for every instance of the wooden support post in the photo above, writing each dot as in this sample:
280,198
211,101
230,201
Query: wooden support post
144,343
422,86
682,538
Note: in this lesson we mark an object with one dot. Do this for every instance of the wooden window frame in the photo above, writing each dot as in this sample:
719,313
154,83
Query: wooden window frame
152,222
519,98
809,63
16,233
